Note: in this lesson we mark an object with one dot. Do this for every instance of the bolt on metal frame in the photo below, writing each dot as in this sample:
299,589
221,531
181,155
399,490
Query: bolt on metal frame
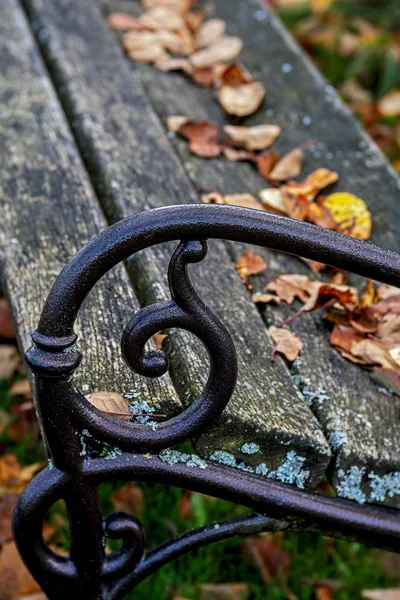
62,410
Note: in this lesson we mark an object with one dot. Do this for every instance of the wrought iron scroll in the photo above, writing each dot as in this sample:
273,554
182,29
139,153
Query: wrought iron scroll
87,571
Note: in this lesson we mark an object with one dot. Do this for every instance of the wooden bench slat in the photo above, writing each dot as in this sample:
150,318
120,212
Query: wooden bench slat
134,168
361,422
48,211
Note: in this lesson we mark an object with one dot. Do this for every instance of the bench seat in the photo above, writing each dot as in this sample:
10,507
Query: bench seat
61,189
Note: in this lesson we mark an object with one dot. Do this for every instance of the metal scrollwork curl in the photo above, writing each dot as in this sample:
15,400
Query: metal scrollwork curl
88,572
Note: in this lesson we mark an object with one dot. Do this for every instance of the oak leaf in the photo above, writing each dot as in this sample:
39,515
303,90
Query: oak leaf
290,287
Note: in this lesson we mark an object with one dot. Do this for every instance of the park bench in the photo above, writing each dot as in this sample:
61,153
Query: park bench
83,145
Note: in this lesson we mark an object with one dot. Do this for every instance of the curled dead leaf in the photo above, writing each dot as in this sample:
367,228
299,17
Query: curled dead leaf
290,287
123,22
181,6
243,200
288,167
258,137
313,183
250,263
234,155
223,50
266,161
210,32
111,403
242,100
162,17
272,200
202,136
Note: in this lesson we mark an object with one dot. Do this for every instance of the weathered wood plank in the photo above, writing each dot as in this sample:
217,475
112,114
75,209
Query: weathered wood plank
48,211
133,168
361,422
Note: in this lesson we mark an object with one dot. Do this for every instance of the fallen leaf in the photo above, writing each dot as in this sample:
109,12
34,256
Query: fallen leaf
6,326
175,122
287,343
250,263
224,591
13,478
210,32
384,594
9,361
23,425
224,50
181,6
266,161
290,287
258,137
159,339
129,499
288,167
162,17
272,199
242,100
174,64
7,504
320,215
329,294
389,105
243,200
110,402
185,505
123,22
313,183
350,214
260,298
20,388
147,49
296,205
15,579
319,7
194,20
202,137
235,155
323,593
268,557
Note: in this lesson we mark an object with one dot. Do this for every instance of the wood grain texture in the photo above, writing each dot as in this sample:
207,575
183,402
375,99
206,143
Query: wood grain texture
48,211
133,168
360,420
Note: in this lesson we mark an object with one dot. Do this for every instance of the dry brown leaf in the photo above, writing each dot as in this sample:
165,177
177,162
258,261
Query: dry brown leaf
162,17
323,593
159,339
202,136
383,594
328,294
194,20
129,499
258,137
250,263
181,6
344,338
266,161
233,75
350,214
123,22
13,478
268,557
320,215
389,105
210,32
313,183
224,50
224,591
272,199
147,45
242,100
174,64
9,361
175,122
110,402
15,579
6,511
6,326
288,167
235,155
243,200
262,298
287,343
296,205
290,287
20,388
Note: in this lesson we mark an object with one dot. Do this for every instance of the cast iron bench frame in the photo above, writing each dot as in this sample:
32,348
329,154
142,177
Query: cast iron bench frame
142,452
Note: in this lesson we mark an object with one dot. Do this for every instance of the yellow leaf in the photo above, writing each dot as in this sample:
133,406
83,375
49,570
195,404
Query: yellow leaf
350,214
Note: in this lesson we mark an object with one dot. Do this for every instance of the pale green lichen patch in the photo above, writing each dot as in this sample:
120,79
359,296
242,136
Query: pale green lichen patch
250,448
110,452
349,484
291,470
336,439
172,457
384,485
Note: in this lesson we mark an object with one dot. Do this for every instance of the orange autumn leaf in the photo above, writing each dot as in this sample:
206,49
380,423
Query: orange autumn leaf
313,183
202,137
250,263
287,343
266,161
288,167
328,294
